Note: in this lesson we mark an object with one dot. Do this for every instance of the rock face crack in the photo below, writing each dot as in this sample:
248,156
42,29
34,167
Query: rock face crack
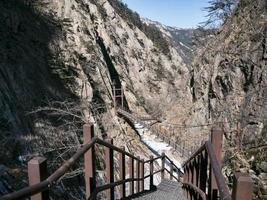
114,75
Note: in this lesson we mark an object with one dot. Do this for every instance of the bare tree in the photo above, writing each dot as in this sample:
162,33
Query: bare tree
218,12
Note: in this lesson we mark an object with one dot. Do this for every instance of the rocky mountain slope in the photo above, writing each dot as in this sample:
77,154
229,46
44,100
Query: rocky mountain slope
59,60
229,85
229,79
181,39
85,47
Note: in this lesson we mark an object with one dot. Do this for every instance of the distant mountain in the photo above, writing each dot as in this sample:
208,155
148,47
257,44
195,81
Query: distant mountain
180,38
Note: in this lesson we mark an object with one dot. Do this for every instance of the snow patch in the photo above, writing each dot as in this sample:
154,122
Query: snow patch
185,46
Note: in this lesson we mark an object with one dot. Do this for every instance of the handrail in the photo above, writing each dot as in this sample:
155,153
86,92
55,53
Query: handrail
215,167
34,189
117,183
171,174
171,162
224,190
111,146
154,159
48,182
194,154
134,119
196,189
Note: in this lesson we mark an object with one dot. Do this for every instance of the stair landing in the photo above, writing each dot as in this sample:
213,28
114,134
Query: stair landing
166,190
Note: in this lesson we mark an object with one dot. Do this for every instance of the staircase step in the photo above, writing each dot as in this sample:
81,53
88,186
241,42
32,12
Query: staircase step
166,190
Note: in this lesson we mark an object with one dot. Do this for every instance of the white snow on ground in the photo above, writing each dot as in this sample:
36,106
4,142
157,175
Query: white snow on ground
158,147
138,126
185,46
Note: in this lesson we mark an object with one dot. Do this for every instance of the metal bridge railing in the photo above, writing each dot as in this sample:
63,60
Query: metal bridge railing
40,183
203,178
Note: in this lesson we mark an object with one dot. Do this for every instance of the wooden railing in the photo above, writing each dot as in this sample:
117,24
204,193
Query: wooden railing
180,147
203,178
40,183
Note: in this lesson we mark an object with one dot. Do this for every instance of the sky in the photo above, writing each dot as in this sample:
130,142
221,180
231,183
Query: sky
178,13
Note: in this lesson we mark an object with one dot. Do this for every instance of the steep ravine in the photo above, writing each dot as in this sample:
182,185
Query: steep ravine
59,61
229,85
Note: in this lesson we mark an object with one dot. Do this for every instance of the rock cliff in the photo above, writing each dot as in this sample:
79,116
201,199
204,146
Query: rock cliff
60,58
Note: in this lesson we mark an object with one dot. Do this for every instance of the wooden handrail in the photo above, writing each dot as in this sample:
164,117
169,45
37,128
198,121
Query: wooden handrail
111,146
171,162
154,159
195,189
194,155
203,171
214,164
171,174
48,182
220,180
39,187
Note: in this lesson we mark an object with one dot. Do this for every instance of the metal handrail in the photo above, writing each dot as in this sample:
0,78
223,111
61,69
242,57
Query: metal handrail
47,183
194,154
220,180
224,190
39,187
117,183
196,189
154,159
171,162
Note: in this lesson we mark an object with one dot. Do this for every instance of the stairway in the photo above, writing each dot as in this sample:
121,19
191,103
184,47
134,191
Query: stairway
166,190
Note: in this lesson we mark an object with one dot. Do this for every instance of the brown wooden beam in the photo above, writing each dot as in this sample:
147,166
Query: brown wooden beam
89,160
122,173
109,163
37,172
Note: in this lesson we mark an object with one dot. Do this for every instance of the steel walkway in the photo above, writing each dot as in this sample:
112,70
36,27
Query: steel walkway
166,190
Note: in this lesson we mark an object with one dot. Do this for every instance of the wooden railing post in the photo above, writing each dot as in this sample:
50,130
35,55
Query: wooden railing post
109,163
203,170
142,171
89,160
131,175
122,173
195,173
185,176
37,172
162,165
216,140
122,97
114,94
171,171
189,172
198,161
243,187
137,175
151,170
